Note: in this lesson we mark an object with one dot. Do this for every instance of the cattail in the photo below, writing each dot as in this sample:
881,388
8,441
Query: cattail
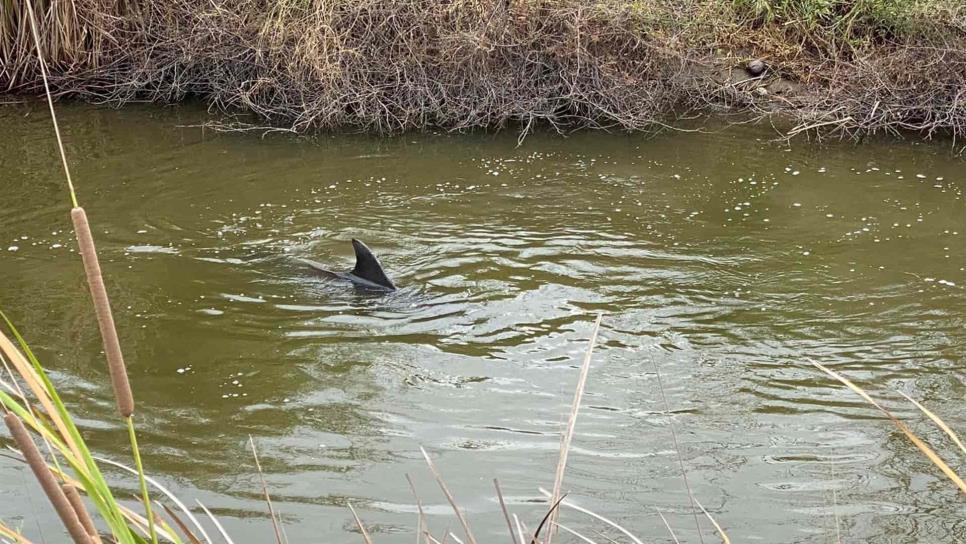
102,307
73,496
46,479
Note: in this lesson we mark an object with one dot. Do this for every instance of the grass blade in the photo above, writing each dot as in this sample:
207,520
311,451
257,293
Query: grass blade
677,452
668,525
36,386
835,508
421,523
571,424
506,512
516,521
268,499
181,524
928,452
597,516
724,536
362,528
12,536
575,533
536,534
449,496
167,493
916,441
939,422
224,534
856,389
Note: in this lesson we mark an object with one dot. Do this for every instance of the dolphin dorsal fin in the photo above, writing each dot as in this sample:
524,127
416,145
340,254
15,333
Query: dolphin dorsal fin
368,267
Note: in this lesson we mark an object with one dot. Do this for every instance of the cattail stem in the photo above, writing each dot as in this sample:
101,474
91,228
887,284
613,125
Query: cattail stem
105,319
73,496
50,100
144,484
46,478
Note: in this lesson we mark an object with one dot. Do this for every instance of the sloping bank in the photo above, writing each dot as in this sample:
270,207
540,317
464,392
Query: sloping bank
851,66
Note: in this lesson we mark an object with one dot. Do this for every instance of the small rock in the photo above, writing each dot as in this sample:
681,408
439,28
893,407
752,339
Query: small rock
761,91
785,87
756,67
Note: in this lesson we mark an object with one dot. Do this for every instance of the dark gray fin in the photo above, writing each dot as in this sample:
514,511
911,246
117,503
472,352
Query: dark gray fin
368,267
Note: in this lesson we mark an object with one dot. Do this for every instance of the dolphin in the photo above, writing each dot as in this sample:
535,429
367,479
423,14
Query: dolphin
367,274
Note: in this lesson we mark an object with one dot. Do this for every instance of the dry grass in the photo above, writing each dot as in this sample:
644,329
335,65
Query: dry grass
568,434
386,67
39,407
913,437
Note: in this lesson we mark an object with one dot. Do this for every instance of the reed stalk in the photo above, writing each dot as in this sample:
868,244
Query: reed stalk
362,528
913,437
721,532
421,525
568,434
670,531
47,481
506,512
449,497
268,498
95,281
141,479
73,496
50,100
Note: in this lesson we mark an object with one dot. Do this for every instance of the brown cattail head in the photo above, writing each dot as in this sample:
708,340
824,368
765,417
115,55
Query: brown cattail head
46,478
74,498
105,319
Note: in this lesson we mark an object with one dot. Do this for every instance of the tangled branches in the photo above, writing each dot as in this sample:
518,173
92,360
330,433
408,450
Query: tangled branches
391,66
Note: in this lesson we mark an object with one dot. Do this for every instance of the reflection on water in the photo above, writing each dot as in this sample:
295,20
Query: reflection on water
726,260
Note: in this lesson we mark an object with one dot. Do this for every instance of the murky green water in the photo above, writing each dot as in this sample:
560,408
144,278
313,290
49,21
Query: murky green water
728,261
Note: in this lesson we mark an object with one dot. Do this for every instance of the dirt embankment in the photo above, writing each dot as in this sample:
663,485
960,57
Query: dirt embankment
851,67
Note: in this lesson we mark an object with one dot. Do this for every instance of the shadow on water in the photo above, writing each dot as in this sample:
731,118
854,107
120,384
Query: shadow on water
725,259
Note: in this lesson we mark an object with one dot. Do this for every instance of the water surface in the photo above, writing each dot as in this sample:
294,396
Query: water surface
723,259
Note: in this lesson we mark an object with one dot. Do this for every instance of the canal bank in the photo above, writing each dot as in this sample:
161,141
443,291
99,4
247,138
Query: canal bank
836,67
720,258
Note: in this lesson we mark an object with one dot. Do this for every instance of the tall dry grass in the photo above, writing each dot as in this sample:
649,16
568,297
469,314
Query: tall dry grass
389,66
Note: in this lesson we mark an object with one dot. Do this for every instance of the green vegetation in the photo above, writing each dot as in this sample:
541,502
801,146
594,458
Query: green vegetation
47,416
859,23
868,17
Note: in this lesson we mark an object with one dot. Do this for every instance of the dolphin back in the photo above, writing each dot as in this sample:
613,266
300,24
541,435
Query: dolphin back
368,267
319,267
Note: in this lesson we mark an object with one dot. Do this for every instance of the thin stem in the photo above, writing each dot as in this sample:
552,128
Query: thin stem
268,498
50,102
506,512
144,483
568,435
677,449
